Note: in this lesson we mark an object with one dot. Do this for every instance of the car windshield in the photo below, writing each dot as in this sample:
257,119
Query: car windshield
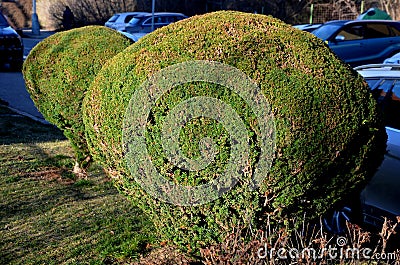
387,93
325,31
383,84
3,21
373,83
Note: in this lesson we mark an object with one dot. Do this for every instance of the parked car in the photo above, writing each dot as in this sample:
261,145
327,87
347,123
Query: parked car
359,42
11,45
143,23
307,27
134,36
381,196
395,59
119,20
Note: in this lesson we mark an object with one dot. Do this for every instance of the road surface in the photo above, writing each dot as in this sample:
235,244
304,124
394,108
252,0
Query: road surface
12,85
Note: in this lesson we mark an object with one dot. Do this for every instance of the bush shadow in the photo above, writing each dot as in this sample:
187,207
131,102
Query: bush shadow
15,128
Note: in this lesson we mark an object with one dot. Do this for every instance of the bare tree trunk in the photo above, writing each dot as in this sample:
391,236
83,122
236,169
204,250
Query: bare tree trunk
347,9
392,7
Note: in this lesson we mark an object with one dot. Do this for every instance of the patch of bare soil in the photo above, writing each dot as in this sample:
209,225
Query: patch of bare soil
50,174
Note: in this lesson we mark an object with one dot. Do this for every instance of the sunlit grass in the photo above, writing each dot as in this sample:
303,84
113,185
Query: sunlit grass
48,215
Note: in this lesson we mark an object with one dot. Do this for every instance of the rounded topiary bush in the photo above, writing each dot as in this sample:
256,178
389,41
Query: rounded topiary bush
329,138
59,70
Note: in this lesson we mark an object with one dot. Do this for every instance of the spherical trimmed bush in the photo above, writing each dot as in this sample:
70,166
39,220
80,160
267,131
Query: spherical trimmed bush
59,70
328,134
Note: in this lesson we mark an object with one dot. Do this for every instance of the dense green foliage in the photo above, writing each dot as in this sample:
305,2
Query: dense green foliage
329,139
59,70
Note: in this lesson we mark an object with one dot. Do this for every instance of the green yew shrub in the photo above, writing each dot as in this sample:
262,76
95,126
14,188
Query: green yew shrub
329,137
59,70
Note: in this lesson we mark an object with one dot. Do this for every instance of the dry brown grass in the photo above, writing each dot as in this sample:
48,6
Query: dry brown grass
264,246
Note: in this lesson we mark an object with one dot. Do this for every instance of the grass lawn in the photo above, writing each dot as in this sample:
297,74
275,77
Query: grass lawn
48,216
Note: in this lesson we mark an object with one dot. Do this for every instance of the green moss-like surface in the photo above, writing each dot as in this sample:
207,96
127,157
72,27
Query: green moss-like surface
329,139
59,70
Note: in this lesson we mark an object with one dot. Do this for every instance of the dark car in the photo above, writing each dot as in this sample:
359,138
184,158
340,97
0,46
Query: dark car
11,47
143,23
359,42
381,196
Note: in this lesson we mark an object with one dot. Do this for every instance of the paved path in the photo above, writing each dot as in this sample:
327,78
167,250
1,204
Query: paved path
12,84
13,91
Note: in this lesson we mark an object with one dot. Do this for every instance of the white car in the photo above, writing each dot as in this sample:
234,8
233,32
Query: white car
119,20
143,23
134,36
381,196
395,59
307,27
